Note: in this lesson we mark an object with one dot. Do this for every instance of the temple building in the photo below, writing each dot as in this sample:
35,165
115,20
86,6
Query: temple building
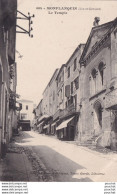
98,86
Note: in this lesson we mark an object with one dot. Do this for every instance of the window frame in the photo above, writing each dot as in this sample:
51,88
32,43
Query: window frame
75,63
68,75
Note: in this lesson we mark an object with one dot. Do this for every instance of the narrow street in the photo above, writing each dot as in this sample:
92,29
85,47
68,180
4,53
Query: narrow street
54,160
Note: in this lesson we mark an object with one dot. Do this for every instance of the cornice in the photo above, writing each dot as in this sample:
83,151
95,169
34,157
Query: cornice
95,49
85,60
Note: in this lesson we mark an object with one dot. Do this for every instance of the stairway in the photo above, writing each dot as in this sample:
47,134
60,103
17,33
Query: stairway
91,142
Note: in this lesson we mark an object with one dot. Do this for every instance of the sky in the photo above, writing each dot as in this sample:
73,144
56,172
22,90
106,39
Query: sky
56,36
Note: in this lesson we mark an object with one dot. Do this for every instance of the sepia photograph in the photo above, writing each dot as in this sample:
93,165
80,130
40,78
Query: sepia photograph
58,92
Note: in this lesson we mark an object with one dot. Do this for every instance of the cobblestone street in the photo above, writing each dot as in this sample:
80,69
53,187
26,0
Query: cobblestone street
39,158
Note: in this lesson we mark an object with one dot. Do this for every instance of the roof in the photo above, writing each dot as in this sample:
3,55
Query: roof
62,66
54,75
24,100
102,31
39,103
75,51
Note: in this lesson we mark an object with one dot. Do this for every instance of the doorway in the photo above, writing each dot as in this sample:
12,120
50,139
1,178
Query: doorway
97,117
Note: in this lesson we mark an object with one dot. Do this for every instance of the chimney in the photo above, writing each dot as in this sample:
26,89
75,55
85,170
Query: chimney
96,21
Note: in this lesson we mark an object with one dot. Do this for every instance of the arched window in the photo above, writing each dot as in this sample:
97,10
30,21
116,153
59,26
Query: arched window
93,81
101,71
93,73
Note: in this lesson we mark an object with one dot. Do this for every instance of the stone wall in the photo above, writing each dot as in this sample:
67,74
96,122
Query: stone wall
88,122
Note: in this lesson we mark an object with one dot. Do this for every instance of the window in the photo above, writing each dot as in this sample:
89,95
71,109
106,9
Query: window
75,101
60,96
50,99
76,82
101,70
23,116
96,79
26,107
68,71
67,91
59,79
94,73
70,101
71,87
75,63
53,95
93,81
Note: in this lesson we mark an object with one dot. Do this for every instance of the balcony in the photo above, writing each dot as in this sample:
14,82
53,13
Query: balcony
68,111
65,112
57,114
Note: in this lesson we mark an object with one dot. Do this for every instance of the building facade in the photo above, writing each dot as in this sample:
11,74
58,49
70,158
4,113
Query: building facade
98,81
69,115
48,106
85,108
8,12
26,114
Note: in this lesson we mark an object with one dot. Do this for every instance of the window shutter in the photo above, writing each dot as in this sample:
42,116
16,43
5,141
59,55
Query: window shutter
67,91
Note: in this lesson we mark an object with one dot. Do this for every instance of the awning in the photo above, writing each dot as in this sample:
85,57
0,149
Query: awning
64,124
40,124
46,126
43,117
53,124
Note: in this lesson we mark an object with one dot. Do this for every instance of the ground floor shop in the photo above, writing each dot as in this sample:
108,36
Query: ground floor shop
66,130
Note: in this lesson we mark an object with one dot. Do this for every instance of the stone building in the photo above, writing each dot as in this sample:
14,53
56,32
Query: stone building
60,80
53,100
86,91
46,101
69,115
8,11
26,113
47,107
98,86
39,109
61,88
27,109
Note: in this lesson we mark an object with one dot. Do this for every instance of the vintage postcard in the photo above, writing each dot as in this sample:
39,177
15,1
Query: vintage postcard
58,95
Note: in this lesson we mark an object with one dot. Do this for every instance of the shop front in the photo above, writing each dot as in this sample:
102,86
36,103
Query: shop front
46,129
53,128
66,130
40,127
